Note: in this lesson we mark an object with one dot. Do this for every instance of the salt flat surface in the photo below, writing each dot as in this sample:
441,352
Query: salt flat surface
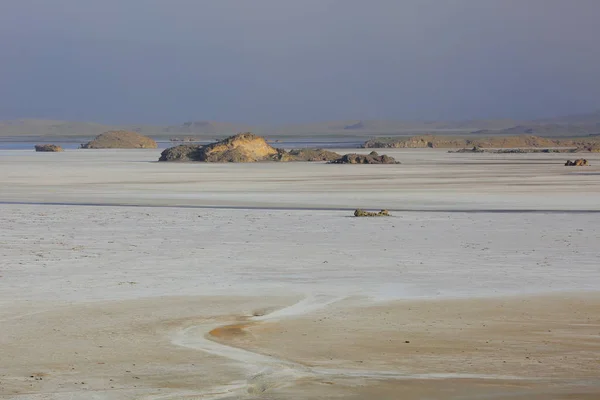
94,253
82,252
119,302
426,179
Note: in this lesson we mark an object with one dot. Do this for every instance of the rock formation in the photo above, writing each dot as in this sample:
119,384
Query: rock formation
311,155
183,152
371,158
362,213
120,140
589,148
416,142
580,162
474,149
184,139
513,151
48,148
243,147
247,147
494,142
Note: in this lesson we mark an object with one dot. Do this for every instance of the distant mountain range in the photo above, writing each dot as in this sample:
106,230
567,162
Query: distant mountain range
570,125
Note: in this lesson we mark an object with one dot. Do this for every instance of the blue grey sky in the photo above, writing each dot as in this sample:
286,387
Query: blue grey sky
279,61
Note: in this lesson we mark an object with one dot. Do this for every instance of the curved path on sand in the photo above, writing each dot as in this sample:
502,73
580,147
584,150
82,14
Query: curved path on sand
266,372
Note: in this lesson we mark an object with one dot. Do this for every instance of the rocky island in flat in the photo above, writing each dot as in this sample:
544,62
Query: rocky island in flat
248,147
48,148
591,143
120,140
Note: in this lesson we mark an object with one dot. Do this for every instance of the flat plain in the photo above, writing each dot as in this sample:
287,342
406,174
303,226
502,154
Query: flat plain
125,278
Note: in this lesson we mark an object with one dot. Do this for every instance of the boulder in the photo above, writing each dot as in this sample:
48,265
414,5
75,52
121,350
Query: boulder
120,140
362,213
48,148
581,162
365,159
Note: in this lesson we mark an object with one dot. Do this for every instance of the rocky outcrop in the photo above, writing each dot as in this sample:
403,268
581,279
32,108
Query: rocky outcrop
474,149
183,152
513,151
243,147
184,139
311,155
495,142
247,147
416,142
371,158
511,142
581,162
362,213
120,140
48,148
589,148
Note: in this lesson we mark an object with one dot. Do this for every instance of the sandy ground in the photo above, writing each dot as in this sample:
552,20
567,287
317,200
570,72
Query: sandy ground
112,302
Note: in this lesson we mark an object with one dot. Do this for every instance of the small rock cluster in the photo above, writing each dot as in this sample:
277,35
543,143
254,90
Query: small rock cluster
371,158
474,149
580,162
48,148
362,213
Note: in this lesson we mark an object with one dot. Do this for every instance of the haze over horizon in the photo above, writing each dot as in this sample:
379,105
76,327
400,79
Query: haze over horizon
270,61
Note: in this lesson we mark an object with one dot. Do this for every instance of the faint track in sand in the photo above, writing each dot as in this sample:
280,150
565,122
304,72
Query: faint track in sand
267,372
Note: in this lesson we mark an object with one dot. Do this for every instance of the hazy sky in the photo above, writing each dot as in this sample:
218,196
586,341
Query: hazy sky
273,61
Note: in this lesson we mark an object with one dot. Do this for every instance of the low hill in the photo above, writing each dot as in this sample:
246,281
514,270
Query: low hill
592,118
39,127
207,127
51,128
570,125
493,142
121,140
